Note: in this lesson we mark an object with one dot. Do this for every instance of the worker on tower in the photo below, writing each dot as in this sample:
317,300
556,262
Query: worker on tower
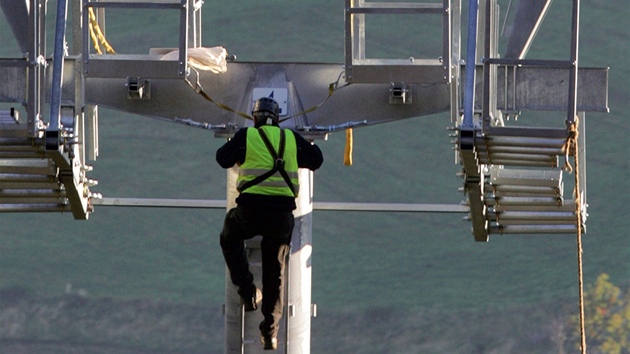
269,158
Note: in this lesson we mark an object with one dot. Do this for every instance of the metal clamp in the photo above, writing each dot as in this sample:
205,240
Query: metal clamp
138,88
400,93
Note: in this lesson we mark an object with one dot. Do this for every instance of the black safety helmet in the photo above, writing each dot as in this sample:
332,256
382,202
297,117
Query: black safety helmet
264,108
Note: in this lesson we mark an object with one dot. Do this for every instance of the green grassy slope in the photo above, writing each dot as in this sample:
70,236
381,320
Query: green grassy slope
404,270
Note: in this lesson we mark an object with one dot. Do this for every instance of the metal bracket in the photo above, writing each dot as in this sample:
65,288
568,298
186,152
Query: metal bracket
51,138
67,118
400,93
138,88
466,139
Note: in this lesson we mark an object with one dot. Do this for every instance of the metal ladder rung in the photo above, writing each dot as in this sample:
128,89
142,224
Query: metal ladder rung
27,166
17,141
527,159
533,229
251,341
20,148
8,117
505,223
523,191
565,206
523,201
528,132
35,208
15,130
397,8
522,163
33,193
25,178
534,217
534,222
549,151
516,157
521,177
519,141
28,185
21,154
32,200
156,4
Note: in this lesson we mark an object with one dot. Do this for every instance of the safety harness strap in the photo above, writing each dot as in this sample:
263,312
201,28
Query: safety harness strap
278,165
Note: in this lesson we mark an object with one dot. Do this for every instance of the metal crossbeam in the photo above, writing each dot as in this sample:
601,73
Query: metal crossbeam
221,204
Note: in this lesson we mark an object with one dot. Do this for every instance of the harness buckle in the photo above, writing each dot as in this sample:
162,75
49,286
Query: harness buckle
279,164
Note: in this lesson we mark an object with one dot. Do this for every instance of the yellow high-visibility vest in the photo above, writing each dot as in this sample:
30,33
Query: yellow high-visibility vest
259,161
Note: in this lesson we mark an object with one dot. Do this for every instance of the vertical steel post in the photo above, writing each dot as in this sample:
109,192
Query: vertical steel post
299,307
455,43
194,23
471,54
487,77
37,62
187,7
58,56
573,76
77,27
582,160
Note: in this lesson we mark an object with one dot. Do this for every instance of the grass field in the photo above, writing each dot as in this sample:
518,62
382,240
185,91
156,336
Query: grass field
383,282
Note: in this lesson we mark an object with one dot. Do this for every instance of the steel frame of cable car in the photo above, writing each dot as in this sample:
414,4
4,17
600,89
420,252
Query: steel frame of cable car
511,174
513,181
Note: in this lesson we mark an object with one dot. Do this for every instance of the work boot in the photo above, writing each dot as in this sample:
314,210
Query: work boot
269,342
250,301
267,338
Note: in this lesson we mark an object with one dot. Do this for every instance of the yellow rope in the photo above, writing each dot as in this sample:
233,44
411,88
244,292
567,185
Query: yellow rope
97,48
571,148
347,156
97,34
331,90
199,89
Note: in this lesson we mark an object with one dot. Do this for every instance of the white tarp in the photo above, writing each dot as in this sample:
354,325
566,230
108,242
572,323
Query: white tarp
212,59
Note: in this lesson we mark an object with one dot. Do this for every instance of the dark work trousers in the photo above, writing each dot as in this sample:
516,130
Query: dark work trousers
275,227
